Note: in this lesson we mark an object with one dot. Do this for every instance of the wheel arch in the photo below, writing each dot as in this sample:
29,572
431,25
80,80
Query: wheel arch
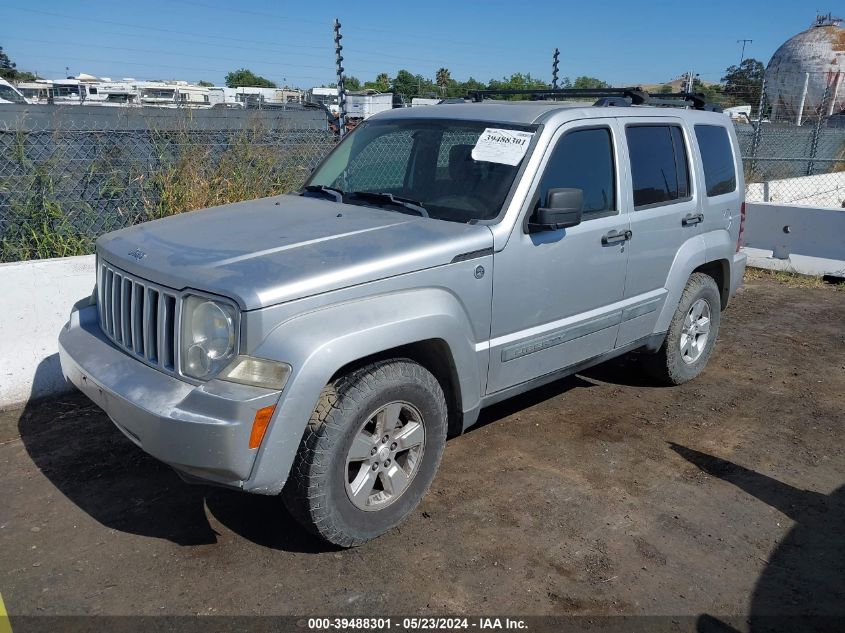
428,326
433,354
720,271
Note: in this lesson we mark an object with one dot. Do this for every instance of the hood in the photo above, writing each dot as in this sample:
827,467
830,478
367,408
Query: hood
271,250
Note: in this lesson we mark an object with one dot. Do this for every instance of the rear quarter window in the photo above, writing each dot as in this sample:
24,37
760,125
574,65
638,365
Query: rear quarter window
717,159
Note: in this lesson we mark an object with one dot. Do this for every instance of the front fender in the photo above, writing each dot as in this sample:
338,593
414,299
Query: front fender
318,343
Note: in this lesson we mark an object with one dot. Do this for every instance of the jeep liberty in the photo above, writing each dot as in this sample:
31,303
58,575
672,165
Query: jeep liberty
321,345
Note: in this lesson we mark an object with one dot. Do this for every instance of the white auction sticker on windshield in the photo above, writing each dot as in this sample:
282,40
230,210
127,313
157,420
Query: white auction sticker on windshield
501,146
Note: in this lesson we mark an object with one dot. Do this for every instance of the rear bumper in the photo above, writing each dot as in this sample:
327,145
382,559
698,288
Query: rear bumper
202,431
737,271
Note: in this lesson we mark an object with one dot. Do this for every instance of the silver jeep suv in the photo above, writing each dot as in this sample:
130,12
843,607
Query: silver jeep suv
322,345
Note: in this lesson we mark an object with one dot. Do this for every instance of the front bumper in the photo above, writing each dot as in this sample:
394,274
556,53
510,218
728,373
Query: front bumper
202,431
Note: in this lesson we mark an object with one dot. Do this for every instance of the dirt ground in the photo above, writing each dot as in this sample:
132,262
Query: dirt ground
599,494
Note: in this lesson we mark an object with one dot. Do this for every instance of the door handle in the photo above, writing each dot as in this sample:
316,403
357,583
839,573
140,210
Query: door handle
616,237
692,220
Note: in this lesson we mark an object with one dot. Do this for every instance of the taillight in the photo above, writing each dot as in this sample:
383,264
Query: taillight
741,226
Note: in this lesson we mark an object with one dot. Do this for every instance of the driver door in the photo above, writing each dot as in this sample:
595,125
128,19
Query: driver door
556,293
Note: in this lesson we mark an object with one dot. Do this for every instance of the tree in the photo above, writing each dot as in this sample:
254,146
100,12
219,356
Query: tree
405,83
744,82
204,83
443,78
518,81
246,78
712,92
586,82
462,89
8,68
351,84
666,89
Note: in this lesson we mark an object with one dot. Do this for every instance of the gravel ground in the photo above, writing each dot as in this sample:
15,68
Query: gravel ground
599,494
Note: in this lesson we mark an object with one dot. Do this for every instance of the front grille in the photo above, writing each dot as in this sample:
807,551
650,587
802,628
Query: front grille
140,317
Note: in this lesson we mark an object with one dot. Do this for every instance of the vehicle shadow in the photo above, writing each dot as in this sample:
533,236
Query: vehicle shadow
802,586
75,445
625,370
536,396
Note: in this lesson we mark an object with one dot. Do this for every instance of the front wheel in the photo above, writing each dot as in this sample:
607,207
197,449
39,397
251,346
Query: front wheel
370,452
692,333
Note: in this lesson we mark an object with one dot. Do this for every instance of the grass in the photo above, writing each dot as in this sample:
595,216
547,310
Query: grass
791,278
49,207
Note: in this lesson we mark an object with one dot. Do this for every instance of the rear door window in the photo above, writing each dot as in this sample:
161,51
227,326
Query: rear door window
717,158
659,166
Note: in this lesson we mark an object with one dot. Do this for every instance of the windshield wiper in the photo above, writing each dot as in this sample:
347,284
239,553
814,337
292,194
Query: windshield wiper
388,198
332,192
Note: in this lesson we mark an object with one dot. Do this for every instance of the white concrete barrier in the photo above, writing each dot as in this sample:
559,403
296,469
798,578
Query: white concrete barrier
36,296
821,190
35,300
801,239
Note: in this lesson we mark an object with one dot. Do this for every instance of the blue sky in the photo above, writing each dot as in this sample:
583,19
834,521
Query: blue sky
620,41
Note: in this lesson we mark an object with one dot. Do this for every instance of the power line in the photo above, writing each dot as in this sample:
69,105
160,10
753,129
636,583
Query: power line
152,28
272,45
146,50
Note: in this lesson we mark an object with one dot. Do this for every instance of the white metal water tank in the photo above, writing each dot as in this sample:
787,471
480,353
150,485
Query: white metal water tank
803,67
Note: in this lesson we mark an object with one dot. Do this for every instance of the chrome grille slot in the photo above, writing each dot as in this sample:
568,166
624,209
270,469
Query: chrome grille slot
151,323
137,312
139,317
167,321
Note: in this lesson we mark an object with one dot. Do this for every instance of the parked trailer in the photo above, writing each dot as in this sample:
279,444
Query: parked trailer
363,106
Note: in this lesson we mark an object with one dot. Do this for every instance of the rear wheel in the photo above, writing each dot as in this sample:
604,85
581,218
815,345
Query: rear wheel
692,333
370,452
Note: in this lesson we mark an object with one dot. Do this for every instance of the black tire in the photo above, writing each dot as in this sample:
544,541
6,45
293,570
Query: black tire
316,493
668,365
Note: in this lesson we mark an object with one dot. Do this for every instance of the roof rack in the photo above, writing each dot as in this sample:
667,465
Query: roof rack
608,97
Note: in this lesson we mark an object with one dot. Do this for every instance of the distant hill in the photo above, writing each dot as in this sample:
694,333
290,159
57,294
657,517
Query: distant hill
677,85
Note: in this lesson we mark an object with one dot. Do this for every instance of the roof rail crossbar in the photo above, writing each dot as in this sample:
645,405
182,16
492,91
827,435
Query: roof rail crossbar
637,96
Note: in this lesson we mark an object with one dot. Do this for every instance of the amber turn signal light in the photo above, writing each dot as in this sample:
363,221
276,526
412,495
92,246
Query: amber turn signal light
259,425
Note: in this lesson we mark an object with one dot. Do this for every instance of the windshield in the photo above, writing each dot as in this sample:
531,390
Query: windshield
8,94
454,169
158,93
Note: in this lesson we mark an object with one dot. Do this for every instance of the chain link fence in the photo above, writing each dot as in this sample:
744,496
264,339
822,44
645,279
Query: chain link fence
67,179
69,174
793,146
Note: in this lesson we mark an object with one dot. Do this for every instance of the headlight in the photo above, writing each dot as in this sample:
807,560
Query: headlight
208,336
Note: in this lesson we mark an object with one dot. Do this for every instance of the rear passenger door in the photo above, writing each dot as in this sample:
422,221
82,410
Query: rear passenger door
664,214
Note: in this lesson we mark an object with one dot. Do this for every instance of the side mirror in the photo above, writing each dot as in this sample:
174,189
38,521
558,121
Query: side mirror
563,209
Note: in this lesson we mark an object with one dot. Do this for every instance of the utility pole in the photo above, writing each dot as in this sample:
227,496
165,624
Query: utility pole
555,59
689,85
341,91
742,55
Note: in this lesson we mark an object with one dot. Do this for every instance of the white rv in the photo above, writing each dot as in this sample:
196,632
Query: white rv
174,95
10,94
34,91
